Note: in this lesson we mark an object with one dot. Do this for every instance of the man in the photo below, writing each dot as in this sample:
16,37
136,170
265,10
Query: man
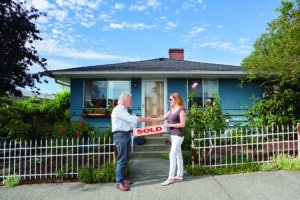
122,126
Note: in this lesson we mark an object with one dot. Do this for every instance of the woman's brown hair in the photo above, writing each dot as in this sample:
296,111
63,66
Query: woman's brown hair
178,99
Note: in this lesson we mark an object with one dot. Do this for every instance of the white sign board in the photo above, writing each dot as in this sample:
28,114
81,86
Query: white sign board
149,130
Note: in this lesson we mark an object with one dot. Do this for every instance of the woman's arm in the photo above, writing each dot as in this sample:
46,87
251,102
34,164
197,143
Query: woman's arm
163,118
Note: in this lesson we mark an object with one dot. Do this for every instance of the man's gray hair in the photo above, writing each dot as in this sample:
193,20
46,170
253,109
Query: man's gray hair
123,97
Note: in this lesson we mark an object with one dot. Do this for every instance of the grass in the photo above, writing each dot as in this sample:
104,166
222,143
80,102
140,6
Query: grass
283,162
12,181
279,162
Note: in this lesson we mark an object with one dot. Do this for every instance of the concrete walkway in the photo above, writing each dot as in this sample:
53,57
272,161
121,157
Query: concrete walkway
148,174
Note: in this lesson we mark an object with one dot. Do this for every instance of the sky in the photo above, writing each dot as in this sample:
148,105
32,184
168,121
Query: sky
80,33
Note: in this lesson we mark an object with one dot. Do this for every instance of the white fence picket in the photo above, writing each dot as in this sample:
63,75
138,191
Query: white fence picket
49,158
241,145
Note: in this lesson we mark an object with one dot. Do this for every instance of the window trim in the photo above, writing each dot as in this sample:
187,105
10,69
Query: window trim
101,111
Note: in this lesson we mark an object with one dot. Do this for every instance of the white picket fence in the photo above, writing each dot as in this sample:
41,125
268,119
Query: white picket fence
53,158
62,158
243,145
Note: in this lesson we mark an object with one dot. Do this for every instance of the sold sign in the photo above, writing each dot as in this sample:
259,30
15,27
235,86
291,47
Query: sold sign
149,130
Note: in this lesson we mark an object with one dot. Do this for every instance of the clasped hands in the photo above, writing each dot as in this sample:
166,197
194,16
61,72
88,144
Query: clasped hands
150,120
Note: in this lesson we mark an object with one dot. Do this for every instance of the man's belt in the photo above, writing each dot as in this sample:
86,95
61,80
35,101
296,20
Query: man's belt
122,131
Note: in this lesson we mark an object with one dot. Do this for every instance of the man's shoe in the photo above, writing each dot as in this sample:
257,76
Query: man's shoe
127,182
122,187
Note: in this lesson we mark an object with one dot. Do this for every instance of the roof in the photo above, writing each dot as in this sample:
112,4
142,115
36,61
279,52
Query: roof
154,68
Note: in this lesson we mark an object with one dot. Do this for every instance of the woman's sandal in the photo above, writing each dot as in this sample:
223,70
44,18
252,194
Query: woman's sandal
168,182
178,178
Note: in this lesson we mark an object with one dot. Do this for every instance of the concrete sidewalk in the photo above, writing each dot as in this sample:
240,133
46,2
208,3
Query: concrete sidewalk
148,174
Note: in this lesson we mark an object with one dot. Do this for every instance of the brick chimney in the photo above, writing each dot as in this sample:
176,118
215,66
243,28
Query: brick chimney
176,53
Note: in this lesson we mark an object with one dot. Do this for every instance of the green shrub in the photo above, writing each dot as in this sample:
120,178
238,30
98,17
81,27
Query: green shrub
282,162
206,170
106,173
60,174
85,174
78,129
209,117
12,181
33,118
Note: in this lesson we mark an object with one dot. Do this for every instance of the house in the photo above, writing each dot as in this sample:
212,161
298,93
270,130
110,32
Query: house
95,89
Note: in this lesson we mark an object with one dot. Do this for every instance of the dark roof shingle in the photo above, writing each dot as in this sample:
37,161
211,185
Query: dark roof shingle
159,64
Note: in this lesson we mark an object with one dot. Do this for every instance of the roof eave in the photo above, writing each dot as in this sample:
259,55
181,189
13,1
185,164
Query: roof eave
136,74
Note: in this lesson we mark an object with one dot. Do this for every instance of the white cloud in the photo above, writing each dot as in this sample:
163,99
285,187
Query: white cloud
243,40
104,16
193,5
43,19
241,48
132,26
87,23
153,3
79,4
41,5
55,31
171,25
138,7
195,31
53,48
218,45
117,25
86,19
60,15
226,45
142,7
54,64
119,6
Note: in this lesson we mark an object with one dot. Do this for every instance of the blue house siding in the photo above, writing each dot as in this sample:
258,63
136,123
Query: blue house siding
234,98
178,85
136,91
76,99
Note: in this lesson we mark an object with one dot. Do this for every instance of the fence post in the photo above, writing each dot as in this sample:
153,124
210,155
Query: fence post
298,128
193,151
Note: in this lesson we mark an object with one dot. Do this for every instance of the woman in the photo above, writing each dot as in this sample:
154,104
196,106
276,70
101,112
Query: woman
176,118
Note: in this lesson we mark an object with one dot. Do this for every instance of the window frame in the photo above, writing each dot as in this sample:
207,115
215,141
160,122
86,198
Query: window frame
95,103
204,98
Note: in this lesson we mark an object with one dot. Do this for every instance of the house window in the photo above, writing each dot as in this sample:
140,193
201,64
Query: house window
203,91
104,94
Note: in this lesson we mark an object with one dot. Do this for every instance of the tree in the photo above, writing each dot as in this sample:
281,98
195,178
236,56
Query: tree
17,53
276,61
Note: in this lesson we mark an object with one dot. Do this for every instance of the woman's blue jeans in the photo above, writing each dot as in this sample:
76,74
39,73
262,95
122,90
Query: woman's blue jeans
123,145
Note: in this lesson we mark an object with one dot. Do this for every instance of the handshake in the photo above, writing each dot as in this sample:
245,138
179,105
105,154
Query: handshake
150,120
145,119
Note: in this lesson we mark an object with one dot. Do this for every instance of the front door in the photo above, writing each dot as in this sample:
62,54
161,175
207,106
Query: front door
154,95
